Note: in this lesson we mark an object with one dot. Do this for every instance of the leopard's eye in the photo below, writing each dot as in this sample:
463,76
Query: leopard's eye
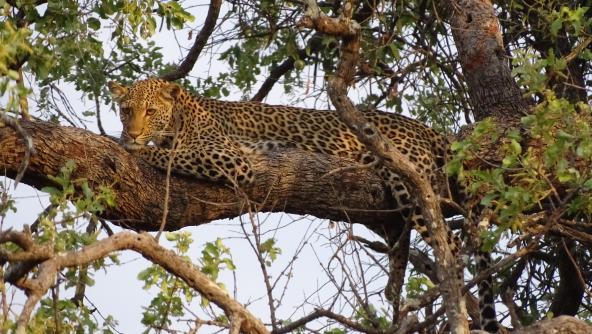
126,111
150,111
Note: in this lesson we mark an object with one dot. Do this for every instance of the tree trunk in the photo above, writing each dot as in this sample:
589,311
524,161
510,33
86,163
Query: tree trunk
477,36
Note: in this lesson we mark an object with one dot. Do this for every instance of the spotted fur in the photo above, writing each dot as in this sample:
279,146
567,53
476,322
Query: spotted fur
215,139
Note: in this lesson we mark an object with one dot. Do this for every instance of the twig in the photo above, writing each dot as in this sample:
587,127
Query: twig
29,149
578,49
256,246
377,246
167,181
98,114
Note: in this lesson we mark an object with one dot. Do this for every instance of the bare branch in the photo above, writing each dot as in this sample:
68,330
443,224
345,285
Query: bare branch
98,115
200,41
146,245
275,74
314,45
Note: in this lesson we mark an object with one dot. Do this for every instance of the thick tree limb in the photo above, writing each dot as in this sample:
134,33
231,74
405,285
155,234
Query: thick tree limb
476,32
200,41
563,324
287,181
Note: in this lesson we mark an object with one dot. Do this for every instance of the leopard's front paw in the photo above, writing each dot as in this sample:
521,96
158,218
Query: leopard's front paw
132,147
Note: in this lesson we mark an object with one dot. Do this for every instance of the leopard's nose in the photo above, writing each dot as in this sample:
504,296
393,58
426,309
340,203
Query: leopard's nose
134,133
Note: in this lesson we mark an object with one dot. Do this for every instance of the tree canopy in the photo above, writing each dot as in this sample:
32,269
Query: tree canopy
508,82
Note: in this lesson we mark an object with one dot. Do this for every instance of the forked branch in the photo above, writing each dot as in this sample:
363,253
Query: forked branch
51,263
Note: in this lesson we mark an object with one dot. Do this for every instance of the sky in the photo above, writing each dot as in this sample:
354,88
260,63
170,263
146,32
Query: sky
118,292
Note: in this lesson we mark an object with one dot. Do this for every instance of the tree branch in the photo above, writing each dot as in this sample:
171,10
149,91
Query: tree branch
200,41
476,32
286,181
314,45
144,244
449,269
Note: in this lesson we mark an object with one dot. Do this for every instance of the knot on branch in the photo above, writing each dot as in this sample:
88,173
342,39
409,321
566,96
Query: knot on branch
343,26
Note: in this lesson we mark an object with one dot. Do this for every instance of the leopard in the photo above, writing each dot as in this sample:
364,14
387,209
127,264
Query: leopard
215,140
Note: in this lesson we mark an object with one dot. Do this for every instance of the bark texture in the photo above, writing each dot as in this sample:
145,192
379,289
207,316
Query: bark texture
559,325
477,36
287,181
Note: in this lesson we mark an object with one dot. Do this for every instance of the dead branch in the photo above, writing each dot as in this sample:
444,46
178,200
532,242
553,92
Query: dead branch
404,327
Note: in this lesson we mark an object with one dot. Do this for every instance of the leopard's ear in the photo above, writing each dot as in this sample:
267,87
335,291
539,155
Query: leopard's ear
118,91
170,91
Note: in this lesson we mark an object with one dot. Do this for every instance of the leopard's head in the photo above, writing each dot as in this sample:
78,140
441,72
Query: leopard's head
146,109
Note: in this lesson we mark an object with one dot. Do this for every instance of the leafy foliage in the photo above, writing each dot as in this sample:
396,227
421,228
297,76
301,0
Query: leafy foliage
58,226
174,296
270,250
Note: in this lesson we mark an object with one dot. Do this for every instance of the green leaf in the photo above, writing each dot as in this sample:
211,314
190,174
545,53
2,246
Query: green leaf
268,247
555,26
456,146
395,50
93,23
487,199
299,64
516,148
588,184
51,190
565,177
490,239
585,148
171,236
